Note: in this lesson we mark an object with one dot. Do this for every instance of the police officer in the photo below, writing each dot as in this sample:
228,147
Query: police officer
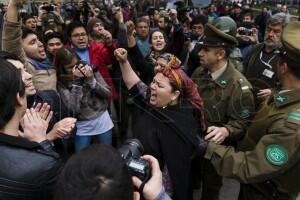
268,161
227,97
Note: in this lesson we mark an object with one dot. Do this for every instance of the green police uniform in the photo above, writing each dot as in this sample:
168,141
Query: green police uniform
268,161
228,102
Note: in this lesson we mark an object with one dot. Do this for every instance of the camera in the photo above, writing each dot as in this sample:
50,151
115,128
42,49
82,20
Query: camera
247,32
131,151
48,8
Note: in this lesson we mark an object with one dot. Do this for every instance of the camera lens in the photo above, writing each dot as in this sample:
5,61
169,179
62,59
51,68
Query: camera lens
131,148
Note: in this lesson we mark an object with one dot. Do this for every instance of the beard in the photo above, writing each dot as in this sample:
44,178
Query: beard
271,43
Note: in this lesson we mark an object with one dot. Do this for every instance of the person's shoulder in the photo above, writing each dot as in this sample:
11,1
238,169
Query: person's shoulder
198,72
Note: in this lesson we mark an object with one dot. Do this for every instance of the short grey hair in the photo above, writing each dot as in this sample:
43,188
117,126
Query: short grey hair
279,19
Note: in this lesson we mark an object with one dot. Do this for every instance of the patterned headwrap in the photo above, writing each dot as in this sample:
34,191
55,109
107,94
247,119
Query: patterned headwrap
188,89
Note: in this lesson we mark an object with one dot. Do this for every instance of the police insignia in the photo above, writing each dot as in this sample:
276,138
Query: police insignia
280,99
276,155
245,113
223,82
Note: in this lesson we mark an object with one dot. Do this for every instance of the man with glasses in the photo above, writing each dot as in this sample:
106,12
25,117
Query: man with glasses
93,53
260,67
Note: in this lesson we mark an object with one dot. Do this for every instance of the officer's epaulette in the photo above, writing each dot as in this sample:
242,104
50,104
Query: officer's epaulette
293,117
244,85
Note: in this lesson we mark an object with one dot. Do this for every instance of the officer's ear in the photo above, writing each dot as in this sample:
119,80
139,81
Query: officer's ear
283,68
221,53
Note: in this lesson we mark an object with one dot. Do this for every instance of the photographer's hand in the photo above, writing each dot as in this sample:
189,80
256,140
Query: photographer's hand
78,70
154,186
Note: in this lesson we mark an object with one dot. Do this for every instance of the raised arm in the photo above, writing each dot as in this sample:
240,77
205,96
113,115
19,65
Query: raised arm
129,76
12,33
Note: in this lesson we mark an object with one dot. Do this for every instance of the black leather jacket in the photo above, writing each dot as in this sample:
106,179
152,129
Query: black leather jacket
28,170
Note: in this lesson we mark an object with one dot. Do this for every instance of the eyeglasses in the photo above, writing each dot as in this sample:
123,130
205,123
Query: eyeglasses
78,35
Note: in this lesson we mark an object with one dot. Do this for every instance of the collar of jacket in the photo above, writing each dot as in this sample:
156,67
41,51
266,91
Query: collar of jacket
285,98
17,142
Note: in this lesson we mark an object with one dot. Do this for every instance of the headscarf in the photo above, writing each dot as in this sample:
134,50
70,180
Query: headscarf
185,85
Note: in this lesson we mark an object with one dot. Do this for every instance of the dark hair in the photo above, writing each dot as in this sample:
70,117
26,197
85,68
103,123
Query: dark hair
142,19
26,32
97,172
162,32
63,57
293,65
73,25
199,19
52,35
10,85
248,13
26,17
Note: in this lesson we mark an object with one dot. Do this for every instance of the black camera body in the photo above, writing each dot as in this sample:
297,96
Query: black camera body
247,32
48,8
131,151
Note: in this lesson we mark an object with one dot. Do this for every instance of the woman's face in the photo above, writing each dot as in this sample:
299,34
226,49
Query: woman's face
158,41
161,89
69,67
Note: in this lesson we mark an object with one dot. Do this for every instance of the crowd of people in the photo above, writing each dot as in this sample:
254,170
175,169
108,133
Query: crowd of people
207,92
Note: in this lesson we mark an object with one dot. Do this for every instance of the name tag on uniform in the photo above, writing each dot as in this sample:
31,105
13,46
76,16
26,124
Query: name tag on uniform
268,73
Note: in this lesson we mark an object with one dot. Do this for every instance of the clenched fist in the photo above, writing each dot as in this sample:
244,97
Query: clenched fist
121,55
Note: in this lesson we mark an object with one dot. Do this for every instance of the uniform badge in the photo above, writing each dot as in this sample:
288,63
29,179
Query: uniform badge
280,99
223,82
245,113
276,155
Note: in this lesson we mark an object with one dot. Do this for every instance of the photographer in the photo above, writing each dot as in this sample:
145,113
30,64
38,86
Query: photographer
86,95
99,172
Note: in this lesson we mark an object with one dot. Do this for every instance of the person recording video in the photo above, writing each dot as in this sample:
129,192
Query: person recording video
100,172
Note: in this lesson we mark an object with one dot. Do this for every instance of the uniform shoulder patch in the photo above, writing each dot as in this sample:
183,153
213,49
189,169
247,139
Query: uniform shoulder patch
244,85
294,117
276,155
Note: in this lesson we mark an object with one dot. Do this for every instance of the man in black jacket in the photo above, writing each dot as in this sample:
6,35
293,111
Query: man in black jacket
29,165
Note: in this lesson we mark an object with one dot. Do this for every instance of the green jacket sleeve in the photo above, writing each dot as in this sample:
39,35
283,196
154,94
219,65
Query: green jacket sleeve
240,110
273,155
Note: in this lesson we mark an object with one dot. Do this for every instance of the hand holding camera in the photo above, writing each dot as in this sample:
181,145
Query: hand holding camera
153,186
247,34
83,70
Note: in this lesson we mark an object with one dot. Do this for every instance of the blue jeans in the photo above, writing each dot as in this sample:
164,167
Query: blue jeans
82,142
